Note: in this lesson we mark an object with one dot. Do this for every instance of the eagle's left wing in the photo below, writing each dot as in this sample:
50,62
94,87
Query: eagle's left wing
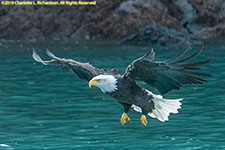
166,75
83,70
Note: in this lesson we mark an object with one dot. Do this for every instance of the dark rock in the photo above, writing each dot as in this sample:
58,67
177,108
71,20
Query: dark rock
141,13
212,32
108,19
209,12
157,34
115,20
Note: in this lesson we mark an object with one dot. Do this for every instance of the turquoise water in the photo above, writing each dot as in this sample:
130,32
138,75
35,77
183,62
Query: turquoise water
44,107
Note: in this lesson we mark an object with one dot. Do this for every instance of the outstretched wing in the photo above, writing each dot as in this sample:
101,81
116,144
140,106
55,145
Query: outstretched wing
83,70
166,75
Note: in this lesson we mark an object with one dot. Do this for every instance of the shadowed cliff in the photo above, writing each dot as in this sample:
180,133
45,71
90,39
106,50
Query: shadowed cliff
162,22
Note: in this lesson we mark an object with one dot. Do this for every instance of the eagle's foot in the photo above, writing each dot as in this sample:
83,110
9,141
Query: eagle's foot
124,119
143,120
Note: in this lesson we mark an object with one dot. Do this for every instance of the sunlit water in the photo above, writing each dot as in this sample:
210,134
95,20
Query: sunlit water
44,107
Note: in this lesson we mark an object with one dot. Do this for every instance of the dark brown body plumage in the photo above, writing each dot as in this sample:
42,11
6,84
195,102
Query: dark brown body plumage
129,93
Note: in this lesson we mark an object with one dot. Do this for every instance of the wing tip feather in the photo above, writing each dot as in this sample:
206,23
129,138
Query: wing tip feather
150,55
50,54
37,58
172,60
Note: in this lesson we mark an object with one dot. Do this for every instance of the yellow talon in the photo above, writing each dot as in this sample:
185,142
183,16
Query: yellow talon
143,120
124,119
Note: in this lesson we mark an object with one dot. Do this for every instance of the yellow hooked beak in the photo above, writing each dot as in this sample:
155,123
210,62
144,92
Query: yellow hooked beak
92,82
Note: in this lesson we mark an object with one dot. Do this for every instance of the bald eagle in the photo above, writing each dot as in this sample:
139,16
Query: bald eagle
162,75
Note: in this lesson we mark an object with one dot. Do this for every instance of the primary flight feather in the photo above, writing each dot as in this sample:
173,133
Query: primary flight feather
164,76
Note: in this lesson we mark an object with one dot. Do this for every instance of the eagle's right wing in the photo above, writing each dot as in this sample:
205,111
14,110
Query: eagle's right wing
166,75
83,70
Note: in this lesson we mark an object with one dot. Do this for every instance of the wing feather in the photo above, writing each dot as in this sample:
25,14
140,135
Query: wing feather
82,70
178,56
192,56
167,75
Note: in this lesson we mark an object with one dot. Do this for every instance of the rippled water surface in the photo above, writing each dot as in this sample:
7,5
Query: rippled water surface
44,107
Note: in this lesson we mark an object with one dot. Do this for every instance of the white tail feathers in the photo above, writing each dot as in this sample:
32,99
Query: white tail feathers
163,107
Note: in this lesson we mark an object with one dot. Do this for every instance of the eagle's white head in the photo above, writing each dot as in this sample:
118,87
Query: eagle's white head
107,83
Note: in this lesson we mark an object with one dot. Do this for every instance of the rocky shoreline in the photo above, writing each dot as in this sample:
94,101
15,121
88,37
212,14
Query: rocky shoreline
138,22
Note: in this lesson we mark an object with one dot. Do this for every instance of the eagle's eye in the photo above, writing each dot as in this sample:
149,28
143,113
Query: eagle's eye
97,80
